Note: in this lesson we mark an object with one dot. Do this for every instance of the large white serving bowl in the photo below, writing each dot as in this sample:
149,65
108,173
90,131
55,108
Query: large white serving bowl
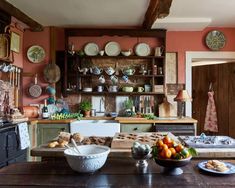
92,158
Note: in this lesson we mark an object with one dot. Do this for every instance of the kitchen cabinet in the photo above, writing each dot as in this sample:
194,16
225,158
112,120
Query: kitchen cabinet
74,81
46,132
145,127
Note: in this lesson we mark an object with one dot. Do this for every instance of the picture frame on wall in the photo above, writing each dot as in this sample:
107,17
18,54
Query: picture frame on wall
171,68
15,42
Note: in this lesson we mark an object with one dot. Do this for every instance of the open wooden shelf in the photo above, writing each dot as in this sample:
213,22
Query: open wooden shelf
113,93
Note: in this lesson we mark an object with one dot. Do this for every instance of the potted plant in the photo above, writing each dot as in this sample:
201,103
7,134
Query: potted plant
86,106
128,104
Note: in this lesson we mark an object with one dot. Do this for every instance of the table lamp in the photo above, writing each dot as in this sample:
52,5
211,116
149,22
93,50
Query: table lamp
182,97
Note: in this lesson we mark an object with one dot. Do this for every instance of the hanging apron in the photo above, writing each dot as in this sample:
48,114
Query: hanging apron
211,115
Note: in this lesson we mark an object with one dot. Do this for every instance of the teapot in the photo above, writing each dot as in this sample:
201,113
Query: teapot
128,71
112,88
96,70
109,71
83,70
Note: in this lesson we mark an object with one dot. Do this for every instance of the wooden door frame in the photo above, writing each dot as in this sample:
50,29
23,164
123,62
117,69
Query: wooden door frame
199,55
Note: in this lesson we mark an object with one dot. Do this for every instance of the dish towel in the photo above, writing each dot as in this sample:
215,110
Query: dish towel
211,115
23,135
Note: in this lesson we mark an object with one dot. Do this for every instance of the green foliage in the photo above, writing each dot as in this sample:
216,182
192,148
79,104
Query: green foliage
60,116
85,105
149,116
192,152
128,104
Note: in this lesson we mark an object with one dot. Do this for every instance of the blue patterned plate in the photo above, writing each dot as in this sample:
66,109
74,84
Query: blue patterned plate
230,166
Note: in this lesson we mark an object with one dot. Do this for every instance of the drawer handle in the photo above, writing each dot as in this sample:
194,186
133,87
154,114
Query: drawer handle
135,129
62,129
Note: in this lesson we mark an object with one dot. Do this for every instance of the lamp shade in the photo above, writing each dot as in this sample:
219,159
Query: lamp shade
182,96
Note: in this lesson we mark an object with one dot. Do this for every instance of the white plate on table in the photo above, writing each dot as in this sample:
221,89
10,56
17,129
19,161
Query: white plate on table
230,166
142,49
91,49
112,49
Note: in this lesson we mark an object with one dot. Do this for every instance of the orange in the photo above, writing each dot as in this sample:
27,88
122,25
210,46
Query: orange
173,152
167,140
162,154
159,143
168,153
179,148
164,147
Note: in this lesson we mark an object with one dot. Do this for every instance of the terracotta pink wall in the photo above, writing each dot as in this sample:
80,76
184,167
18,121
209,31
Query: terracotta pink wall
176,42
35,38
194,41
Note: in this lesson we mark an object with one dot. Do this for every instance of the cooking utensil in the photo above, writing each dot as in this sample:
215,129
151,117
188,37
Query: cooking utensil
51,73
35,90
75,145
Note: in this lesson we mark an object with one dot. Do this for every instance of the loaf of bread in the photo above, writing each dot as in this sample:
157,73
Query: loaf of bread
53,144
64,136
77,137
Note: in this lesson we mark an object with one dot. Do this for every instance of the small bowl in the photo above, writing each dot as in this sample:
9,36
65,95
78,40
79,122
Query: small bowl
92,158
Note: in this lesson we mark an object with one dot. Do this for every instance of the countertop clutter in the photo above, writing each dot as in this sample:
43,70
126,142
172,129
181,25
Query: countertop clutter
117,172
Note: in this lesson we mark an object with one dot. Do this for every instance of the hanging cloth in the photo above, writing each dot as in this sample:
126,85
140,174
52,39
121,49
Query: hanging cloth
211,115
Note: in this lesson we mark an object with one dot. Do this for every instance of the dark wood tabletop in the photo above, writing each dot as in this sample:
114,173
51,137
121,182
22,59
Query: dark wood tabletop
116,172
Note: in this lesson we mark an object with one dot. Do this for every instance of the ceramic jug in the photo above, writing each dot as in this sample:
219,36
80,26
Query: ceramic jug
101,79
114,79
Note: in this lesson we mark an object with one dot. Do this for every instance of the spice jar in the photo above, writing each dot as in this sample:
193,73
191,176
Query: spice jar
155,70
160,70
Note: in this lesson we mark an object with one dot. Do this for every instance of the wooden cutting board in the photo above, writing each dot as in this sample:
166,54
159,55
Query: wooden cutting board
166,109
125,140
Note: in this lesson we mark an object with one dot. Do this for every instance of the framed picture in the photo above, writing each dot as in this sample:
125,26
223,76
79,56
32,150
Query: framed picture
15,42
171,68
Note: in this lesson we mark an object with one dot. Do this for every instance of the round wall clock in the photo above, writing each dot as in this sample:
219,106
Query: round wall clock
215,40
36,54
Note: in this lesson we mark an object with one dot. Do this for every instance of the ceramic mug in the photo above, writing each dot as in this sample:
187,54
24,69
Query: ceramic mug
114,79
125,78
4,67
102,79
147,88
100,88
140,89
109,71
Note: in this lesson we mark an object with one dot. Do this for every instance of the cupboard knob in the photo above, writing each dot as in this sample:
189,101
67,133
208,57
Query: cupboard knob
135,129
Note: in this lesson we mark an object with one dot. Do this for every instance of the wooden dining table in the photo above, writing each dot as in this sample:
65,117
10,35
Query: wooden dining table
117,172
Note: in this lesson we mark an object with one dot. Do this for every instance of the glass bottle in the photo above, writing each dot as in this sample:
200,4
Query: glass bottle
45,113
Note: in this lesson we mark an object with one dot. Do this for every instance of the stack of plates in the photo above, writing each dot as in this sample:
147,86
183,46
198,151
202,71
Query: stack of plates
87,89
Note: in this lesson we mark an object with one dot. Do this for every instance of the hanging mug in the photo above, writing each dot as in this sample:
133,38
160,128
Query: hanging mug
125,78
114,79
102,79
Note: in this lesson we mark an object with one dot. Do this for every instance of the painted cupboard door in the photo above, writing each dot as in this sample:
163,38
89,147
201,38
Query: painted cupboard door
48,132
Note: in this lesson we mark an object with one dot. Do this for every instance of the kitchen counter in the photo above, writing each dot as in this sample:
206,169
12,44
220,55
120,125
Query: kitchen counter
44,151
130,120
117,172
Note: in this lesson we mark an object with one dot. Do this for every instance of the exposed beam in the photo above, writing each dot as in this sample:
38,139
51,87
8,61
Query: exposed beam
13,11
156,9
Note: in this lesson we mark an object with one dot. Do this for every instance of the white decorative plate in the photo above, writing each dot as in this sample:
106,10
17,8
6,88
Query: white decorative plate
91,49
112,49
142,49
36,54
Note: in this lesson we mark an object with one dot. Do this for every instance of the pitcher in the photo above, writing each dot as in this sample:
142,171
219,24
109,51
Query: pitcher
159,51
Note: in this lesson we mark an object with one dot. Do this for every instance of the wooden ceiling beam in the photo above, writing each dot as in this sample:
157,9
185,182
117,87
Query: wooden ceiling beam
13,11
156,9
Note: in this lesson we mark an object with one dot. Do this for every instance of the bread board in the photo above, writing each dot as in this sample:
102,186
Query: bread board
125,140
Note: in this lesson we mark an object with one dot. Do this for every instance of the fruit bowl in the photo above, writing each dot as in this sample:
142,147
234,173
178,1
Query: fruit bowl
171,166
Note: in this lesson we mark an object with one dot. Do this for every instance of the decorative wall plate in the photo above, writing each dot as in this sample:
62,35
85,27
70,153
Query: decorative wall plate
36,54
91,49
112,49
142,49
215,40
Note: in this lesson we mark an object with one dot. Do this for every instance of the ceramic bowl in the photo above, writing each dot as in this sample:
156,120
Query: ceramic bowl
126,53
92,158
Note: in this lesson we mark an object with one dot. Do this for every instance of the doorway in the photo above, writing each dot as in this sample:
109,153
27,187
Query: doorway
225,105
